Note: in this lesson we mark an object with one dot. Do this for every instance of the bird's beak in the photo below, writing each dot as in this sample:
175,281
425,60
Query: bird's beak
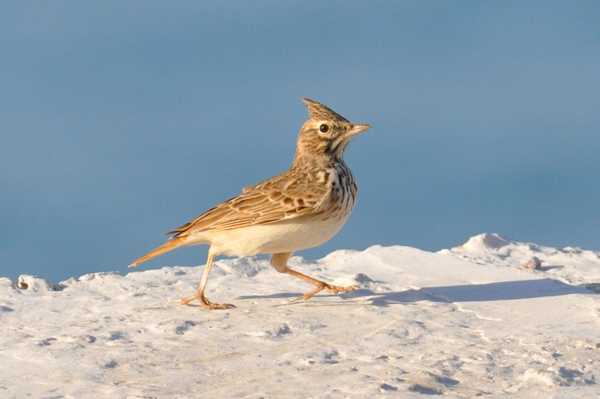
357,128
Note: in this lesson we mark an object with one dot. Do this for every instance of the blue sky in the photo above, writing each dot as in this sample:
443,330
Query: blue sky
122,120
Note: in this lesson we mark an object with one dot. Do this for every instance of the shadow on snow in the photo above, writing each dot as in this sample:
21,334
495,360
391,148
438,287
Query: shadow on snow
500,291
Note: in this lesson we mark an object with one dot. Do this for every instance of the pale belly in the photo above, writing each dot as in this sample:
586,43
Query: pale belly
285,236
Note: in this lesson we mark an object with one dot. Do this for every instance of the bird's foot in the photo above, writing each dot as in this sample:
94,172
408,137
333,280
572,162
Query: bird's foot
336,289
332,289
206,304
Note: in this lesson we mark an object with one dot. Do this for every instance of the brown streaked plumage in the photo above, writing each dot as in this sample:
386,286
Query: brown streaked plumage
298,209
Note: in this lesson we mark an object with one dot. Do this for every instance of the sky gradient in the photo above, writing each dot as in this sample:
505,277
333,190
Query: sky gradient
120,121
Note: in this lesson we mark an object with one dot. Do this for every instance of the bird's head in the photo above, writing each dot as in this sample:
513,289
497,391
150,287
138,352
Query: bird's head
326,133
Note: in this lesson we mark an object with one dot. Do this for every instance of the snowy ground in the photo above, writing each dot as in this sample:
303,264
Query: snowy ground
462,322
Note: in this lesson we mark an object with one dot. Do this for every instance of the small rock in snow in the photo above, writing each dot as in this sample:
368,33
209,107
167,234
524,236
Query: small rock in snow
28,282
533,263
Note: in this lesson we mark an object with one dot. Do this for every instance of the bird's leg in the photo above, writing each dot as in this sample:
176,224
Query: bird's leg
279,262
206,304
321,285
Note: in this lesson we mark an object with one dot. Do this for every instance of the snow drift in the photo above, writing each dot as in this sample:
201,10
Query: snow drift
466,321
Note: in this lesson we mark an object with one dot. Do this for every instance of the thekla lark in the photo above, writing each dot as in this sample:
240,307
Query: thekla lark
298,209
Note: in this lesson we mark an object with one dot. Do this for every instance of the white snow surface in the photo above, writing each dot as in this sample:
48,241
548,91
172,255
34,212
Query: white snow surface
462,322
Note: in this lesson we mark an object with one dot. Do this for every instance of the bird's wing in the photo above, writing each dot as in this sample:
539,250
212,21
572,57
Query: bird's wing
282,197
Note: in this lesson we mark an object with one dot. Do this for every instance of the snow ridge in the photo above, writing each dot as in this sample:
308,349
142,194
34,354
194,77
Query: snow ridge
461,322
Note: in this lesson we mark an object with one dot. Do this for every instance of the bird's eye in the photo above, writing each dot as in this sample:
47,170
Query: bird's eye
324,128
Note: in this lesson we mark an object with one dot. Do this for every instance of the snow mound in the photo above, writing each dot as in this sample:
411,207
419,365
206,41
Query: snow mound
486,242
570,265
463,322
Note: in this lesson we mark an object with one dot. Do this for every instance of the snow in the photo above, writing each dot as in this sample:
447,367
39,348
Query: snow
462,322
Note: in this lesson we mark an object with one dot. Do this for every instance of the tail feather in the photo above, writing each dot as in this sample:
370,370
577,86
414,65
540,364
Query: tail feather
166,247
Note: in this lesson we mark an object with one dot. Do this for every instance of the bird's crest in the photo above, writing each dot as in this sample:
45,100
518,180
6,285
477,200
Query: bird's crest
320,112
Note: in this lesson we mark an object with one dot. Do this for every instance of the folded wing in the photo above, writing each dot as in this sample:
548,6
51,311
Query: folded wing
271,201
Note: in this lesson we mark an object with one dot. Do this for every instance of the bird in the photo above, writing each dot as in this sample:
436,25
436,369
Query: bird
298,209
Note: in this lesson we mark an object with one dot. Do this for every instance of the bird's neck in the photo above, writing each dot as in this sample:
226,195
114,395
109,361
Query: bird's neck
312,161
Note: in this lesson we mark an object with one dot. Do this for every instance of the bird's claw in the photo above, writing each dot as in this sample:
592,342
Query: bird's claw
336,289
206,304
332,289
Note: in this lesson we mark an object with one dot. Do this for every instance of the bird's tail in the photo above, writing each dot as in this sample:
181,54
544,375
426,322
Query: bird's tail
166,247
